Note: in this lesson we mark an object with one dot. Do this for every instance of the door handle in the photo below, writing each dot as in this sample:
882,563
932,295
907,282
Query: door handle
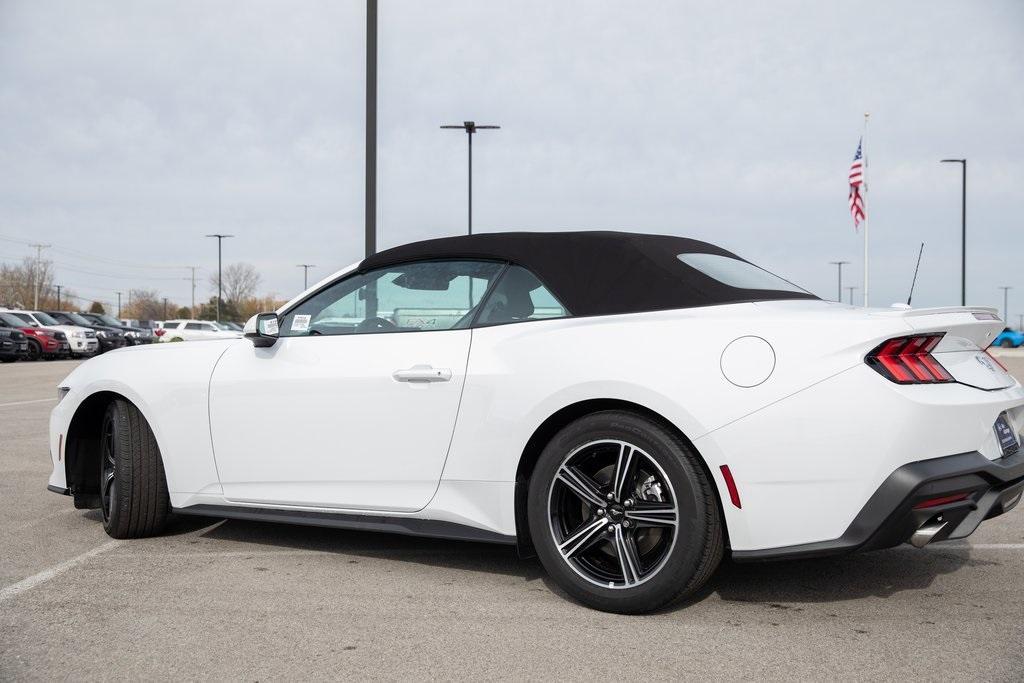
422,373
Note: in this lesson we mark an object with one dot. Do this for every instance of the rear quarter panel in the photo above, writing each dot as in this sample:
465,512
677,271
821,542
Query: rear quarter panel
669,362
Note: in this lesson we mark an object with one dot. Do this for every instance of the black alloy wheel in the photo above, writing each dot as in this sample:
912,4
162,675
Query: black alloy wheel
622,514
35,351
132,485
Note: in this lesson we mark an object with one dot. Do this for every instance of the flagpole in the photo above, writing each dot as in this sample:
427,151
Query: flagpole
864,154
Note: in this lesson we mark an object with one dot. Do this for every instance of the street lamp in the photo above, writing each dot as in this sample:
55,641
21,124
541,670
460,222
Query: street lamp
220,284
305,274
850,290
839,265
470,127
1006,299
118,304
963,227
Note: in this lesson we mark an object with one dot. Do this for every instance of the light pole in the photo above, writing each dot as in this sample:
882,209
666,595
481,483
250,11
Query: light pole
850,290
963,227
370,178
165,308
1006,299
59,287
305,274
220,284
470,127
118,304
839,265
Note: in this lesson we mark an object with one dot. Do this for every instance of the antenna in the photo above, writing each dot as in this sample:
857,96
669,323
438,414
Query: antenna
916,268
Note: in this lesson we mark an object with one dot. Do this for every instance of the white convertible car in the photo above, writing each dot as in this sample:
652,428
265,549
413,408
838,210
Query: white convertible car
628,407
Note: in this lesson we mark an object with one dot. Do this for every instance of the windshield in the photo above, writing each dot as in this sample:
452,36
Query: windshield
108,320
737,273
11,320
45,319
78,320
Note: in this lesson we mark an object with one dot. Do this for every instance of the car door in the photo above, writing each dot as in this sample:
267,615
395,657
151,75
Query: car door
355,404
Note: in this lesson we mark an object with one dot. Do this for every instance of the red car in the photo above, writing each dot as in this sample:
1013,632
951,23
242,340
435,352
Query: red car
42,342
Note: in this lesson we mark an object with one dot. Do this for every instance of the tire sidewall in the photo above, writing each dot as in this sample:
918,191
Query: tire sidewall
117,520
678,463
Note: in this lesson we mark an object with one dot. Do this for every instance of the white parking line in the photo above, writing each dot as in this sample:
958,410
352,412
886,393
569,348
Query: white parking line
47,574
25,403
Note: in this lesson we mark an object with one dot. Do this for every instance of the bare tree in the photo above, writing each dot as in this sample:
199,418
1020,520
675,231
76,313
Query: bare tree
18,283
147,304
240,282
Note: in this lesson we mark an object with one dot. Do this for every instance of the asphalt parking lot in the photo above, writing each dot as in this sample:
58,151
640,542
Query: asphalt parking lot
218,599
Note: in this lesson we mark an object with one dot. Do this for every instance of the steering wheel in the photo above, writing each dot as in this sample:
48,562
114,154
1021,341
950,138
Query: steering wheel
375,325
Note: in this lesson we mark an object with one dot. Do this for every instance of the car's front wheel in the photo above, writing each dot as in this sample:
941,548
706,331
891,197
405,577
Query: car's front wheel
133,489
622,515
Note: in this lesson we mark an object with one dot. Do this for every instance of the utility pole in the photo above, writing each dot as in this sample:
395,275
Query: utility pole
839,265
192,311
1006,299
370,172
470,127
963,226
305,274
850,290
118,304
35,273
59,287
220,283
165,308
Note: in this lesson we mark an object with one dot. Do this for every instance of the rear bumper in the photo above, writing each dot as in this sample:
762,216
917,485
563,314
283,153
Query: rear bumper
890,517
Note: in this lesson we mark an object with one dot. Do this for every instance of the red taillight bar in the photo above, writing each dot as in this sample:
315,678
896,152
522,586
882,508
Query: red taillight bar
908,360
941,500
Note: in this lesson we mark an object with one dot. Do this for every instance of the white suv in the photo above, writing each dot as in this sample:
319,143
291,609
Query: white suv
190,330
81,340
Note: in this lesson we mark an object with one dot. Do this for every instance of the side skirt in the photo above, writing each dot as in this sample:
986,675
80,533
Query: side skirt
338,520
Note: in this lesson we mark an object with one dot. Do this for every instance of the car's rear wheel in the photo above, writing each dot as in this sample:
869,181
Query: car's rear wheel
35,350
133,489
622,515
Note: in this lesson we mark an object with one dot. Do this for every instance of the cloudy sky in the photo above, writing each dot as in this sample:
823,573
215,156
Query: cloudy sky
129,130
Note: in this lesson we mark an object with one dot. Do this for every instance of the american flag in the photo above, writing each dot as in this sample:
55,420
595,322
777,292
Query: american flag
856,181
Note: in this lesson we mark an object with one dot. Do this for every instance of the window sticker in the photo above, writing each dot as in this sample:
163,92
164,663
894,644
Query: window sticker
270,326
300,323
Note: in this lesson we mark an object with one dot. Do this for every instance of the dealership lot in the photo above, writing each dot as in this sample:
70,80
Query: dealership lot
232,599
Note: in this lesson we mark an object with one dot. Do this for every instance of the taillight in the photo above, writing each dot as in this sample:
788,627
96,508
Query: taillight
159,333
909,360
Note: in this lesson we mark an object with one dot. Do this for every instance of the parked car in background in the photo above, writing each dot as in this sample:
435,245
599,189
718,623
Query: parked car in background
133,335
227,325
191,330
13,344
81,341
42,342
109,338
1009,339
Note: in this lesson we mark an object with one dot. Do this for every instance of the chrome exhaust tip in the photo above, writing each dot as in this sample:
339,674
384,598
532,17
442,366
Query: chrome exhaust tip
924,535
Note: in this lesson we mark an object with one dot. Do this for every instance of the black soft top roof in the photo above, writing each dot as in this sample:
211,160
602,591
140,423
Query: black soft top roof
596,272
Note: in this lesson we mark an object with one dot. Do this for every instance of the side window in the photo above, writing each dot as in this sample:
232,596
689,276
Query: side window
206,327
193,326
409,297
520,296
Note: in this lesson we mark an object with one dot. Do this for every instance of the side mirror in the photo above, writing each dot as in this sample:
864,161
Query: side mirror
262,330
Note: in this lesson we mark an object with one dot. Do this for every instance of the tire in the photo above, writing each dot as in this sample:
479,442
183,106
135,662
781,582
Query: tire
663,477
1006,344
176,339
133,488
35,350
8,360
